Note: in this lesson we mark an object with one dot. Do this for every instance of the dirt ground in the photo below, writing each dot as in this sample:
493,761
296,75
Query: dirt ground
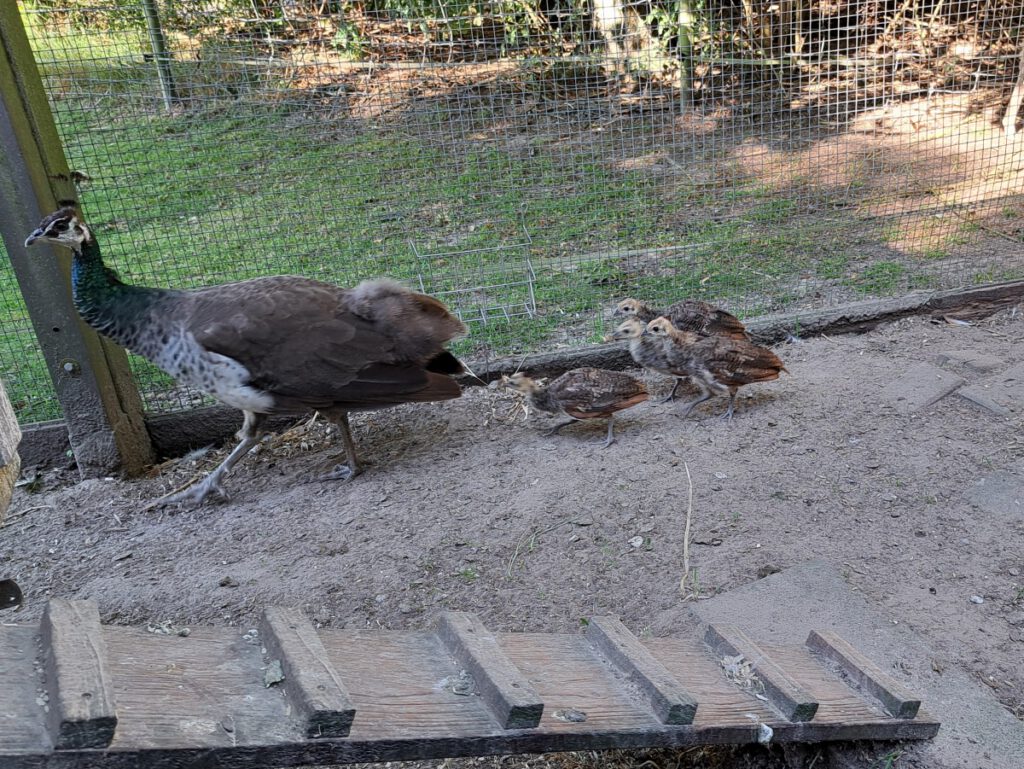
467,506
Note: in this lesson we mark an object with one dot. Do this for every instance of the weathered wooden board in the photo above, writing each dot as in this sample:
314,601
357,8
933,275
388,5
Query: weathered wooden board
313,685
864,673
507,693
10,462
791,699
669,700
201,700
78,688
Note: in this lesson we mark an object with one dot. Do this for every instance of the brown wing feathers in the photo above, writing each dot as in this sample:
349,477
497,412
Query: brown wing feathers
314,345
589,393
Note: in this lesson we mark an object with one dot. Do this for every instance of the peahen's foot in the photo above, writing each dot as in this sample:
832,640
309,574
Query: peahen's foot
340,472
194,495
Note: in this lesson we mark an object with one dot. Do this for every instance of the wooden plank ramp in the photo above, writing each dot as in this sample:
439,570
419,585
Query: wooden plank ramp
79,695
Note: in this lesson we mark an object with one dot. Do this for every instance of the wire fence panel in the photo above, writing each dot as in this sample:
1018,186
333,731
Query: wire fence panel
533,162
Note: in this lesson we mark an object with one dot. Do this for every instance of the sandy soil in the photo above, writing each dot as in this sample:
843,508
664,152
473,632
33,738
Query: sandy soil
466,506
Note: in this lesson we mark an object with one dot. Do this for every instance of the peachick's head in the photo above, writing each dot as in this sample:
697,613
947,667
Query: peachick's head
628,308
631,328
520,383
63,228
660,327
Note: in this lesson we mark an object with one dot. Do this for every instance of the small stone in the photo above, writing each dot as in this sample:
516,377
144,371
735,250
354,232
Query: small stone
977,599
767,571
123,556
227,582
463,684
184,632
274,674
380,598
405,608
570,715
637,541
1013,572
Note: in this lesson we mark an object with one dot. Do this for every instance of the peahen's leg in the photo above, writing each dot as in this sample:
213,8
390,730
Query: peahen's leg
611,432
344,472
248,437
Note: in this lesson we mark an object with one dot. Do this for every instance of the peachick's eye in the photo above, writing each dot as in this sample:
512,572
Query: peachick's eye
60,226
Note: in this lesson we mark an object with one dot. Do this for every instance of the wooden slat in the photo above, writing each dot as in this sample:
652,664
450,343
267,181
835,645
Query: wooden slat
506,691
669,700
81,700
313,686
864,673
188,700
782,691
205,690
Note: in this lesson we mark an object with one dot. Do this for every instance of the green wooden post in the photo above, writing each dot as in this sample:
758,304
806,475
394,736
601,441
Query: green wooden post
101,404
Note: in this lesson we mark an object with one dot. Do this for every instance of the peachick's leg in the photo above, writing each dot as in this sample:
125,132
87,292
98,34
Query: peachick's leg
686,408
248,436
727,416
348,471
672,395
558,427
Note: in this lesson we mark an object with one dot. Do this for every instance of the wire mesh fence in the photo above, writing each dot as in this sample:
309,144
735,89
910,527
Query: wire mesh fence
533,161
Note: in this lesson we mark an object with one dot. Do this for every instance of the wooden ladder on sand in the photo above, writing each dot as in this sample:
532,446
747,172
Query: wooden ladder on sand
79,695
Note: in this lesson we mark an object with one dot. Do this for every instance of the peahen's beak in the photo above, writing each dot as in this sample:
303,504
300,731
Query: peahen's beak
33,238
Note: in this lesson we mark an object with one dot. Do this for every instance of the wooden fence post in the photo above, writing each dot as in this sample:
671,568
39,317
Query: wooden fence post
101,403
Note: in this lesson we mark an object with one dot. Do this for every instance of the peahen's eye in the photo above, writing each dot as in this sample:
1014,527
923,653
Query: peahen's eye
60,226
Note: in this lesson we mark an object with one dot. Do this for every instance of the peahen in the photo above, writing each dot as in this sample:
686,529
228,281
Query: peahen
274,345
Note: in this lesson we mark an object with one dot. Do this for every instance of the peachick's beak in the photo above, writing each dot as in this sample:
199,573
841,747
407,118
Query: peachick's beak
33,238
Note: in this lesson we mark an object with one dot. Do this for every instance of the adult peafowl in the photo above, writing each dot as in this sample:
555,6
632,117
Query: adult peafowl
274,345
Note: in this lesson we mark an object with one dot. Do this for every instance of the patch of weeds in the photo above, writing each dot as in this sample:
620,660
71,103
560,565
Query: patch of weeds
888,761
832,267
468,574
880,278
774,211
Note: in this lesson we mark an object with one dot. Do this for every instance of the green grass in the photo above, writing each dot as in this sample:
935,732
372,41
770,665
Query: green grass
265,179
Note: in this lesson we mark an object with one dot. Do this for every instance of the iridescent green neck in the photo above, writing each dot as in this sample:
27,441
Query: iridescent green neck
111,307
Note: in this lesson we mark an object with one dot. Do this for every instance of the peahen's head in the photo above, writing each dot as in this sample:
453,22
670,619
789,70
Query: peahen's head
62,227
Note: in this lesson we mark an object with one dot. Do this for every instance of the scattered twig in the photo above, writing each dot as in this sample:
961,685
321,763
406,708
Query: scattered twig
987,228
686,531
26,511
531,537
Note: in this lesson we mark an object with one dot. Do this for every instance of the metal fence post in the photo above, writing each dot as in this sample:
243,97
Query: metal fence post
160,54
101,404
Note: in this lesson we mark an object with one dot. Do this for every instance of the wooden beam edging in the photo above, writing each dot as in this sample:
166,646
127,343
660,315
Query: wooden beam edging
785,694
81,698
505,690
896,700
311,683
668,698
